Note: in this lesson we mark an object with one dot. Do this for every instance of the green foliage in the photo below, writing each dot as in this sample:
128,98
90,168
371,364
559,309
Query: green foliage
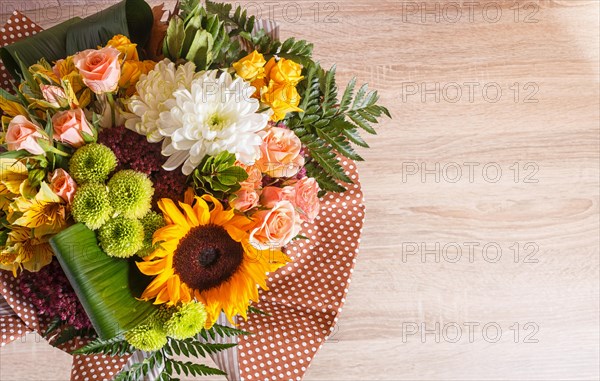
298,51
329,126
239,22
116,346
191,369
218,175
202,37
223,331
254,310
192,347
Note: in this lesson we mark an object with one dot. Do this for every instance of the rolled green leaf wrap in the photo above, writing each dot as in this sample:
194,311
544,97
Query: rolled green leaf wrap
106,287
132,18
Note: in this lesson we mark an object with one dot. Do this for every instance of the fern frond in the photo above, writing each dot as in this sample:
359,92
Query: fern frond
113,347
190,369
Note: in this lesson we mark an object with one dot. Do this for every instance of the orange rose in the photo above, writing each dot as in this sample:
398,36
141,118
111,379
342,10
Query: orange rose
22,134
275,227
280,153
100,69
69,127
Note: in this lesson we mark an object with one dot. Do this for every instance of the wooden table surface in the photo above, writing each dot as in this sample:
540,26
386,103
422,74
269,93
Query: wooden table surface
480,254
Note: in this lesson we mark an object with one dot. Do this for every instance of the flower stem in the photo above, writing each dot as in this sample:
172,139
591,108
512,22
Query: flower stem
111,102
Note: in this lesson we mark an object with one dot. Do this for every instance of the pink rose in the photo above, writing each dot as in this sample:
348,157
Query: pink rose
22,134
275,227
63,185
54,95
246,198
69,125
280,153
272,195
306,199
100,69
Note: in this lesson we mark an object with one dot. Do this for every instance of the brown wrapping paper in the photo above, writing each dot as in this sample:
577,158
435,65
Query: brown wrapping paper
304,298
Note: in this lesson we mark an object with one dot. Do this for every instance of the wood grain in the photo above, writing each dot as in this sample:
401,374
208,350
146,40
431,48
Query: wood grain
550,52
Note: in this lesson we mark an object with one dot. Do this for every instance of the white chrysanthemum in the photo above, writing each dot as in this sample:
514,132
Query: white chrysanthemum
216,114
153,90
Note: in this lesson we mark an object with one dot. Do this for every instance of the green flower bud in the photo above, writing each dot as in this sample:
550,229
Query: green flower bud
92,163
187,321
91,205
152,221
121,237
130,193
146,337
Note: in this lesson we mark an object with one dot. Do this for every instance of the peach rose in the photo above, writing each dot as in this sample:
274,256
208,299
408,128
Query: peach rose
280,153
275,227
63,185
22,134
100,69
306,199
54,95
254,175
69,125
272,195
246,198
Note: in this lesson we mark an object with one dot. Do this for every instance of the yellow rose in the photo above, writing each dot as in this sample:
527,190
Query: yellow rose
284,71
147,66
125,46
131,72
281,98
251,67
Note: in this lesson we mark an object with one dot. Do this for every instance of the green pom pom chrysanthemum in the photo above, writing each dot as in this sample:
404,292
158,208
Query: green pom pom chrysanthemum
187,321
91,205
121,237
152,221
92,163
130,193
147,337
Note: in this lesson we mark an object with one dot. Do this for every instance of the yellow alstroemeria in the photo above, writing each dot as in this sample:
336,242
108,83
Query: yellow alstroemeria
42,70
64,67
13,174
11,108
46,212
24,250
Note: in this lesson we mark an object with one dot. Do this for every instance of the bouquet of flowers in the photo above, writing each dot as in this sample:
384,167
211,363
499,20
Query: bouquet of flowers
153,173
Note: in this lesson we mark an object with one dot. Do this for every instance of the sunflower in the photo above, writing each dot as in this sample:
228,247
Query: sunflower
204,255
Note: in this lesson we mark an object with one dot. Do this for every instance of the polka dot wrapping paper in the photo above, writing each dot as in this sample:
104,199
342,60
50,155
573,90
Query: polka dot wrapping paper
17,27
303,301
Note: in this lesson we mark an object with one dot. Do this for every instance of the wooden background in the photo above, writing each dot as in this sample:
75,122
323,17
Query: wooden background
516,170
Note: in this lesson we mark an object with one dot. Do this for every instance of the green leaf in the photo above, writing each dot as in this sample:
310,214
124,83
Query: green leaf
132,18
49,44
174,39
107,287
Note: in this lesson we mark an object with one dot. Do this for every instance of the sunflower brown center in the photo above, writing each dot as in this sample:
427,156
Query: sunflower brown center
206,257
